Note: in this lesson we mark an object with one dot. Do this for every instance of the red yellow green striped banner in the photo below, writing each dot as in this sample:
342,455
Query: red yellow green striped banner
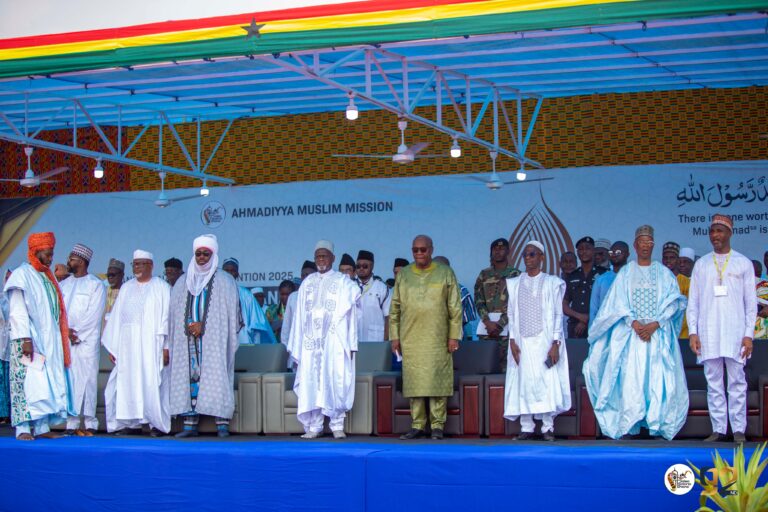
334,25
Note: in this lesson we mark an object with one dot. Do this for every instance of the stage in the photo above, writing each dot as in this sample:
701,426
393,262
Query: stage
357,474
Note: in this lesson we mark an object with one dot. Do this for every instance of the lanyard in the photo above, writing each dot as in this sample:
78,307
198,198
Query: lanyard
721,271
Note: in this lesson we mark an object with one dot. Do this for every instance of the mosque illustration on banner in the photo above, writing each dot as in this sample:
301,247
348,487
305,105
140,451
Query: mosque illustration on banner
542,224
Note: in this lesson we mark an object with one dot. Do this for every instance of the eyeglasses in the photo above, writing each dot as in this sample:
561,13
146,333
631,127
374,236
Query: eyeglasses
645,242
417,250
112,275
530,254
207,254
617,252
363,265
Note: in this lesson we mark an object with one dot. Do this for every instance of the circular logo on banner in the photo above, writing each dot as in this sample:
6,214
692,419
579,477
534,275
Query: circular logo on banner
213,214
679,479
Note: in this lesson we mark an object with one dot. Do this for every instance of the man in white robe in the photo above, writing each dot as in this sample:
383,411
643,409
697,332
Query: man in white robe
85,299
136,337
40,360
537,385
634,373
374,301
322,344
721,320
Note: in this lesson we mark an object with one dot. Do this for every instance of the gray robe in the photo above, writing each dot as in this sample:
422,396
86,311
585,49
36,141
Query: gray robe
216,396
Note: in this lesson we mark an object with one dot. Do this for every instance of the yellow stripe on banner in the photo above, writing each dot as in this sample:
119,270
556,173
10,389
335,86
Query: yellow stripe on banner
368,19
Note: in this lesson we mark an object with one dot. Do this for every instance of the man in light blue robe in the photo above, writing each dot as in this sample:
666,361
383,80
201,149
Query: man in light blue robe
634,372
256,328
618,254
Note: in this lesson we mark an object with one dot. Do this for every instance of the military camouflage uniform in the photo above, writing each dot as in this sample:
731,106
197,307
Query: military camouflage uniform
491,297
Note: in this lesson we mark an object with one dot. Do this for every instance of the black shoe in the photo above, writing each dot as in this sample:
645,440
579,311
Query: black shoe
548,436
716,438
437,433
69,432
524,436
127,432
153,432
414,433
739,438
223,433
187,433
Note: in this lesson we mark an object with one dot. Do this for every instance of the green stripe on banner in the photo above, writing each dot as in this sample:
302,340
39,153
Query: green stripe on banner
592,15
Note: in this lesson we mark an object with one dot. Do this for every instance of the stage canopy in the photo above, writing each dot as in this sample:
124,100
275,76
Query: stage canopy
396,55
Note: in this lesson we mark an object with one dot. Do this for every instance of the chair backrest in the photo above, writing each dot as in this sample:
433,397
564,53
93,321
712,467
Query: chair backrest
476,357
373,356
578,350
263,358
757,365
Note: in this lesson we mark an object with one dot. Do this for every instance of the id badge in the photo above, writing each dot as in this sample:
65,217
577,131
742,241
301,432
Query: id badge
721,291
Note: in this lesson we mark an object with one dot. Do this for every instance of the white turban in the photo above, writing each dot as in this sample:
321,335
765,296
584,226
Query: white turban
256,290
537,245
199,276
687,252
325,244
139,254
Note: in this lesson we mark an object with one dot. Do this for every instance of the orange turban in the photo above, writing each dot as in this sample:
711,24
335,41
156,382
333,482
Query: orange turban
40,242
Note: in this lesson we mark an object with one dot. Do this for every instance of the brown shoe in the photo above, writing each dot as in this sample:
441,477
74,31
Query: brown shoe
25,437
51,435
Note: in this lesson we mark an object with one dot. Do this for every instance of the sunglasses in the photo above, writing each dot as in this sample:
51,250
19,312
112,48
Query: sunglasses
417,250
617,252
112,275
364,265
203,253
530,254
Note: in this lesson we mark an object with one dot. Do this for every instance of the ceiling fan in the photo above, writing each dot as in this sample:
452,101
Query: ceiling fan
405,154
493,182
163,200
30,179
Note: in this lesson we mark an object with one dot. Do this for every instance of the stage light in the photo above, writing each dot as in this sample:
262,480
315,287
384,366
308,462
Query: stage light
520,176
204,189
455,149
98,171
352,112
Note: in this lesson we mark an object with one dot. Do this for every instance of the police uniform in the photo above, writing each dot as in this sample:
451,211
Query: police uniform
578,291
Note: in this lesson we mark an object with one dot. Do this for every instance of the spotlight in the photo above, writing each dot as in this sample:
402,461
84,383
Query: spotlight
520,176
98,171
352,112
455,149
204,189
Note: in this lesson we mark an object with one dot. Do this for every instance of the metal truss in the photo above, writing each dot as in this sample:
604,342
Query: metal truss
410,83
82,118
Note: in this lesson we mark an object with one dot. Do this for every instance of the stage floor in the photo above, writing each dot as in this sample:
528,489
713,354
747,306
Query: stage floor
356,474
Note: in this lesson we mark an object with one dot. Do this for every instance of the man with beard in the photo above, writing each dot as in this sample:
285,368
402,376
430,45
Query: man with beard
721,321
537,384
634,373
205,318
322,345
173,270
670,258
115,277
40,356
374,301
84,299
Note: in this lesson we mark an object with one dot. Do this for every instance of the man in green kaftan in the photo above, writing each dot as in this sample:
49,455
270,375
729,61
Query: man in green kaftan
425,323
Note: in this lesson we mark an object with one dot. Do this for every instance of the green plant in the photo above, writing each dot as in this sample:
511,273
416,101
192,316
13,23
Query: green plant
734,488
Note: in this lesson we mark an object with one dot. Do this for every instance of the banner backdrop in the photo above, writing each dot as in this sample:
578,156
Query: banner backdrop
272,229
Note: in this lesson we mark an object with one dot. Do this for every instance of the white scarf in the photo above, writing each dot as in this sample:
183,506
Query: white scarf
198,276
